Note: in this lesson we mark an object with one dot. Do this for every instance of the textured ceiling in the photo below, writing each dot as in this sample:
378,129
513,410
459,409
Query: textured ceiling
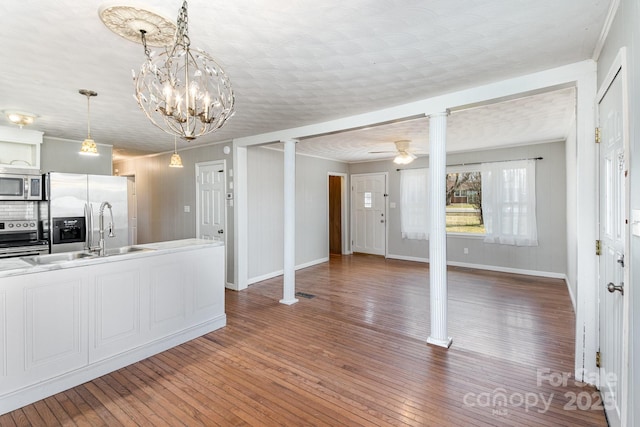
292,62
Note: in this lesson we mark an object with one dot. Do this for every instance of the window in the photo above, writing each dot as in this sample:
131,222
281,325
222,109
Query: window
414,203
509,203
496,200
368,201
464,202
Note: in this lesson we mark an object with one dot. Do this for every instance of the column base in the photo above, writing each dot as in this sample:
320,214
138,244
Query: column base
288,301
440,343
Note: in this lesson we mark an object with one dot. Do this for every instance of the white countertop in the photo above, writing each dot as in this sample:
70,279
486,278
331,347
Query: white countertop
17,266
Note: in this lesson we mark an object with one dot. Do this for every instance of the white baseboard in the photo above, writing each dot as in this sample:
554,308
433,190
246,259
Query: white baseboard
408,258
273,274
231,286
492,268
538,273
573,297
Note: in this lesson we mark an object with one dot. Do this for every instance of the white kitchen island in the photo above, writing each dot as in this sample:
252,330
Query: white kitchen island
66,323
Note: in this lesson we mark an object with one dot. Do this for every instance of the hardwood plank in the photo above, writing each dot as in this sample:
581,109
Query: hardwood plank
354,354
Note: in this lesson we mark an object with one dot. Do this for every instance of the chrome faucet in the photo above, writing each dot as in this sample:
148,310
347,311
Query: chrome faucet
101,247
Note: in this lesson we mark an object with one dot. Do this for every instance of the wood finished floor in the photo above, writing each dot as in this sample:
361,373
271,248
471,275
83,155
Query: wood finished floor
353,355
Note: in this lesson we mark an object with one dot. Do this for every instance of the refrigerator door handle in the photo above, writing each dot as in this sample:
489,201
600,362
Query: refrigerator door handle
88,218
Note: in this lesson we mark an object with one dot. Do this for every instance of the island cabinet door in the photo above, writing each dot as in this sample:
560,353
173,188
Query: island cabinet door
116,313
45,327
206,295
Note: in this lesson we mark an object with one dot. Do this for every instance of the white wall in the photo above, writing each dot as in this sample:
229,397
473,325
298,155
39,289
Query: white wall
265,210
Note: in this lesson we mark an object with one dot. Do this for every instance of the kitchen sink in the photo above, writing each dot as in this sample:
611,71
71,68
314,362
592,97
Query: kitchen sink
126,250
58,258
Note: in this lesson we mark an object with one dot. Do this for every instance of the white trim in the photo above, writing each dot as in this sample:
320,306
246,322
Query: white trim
408,258
573,297
240,216
611,14
277,273
537,273
231,286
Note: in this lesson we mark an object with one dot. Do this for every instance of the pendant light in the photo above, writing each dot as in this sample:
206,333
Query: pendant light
88,147
176,161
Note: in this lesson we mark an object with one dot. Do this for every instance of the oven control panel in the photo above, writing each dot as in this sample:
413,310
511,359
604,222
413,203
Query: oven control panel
18,225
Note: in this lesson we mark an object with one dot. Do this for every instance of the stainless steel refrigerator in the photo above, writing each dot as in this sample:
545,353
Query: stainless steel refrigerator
74,203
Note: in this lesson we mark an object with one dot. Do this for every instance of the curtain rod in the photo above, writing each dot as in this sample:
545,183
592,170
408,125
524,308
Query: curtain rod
479,163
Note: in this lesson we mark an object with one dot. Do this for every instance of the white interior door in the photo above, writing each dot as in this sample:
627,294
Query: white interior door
612,238
369,213
210,203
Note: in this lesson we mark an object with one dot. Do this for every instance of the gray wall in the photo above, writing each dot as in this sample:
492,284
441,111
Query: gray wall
625,32
550,254
61,155
266,204
162,193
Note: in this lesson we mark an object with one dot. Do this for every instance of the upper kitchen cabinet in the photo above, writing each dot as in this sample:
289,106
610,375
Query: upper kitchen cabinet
20,148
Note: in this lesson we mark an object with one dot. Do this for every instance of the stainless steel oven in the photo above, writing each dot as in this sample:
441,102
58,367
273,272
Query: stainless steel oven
20,187
21,238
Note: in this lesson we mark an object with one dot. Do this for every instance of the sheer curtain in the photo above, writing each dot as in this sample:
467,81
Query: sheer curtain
509,202
414,203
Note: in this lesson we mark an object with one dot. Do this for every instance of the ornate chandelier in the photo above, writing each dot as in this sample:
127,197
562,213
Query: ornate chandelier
183,91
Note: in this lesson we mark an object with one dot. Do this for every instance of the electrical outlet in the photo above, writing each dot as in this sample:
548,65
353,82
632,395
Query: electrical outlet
466,251
187,208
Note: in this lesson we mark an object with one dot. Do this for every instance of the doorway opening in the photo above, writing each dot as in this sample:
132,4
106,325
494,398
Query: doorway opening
337,216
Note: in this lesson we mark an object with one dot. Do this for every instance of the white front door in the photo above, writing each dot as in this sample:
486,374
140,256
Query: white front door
210,203
368,201
612,263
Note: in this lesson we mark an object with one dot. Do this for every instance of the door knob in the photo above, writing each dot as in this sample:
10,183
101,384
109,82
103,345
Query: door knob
612,288
221,231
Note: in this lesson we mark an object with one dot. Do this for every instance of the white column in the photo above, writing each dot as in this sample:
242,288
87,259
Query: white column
289,282
438,232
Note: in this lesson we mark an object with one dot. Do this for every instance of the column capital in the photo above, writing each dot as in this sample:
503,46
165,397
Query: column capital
439,114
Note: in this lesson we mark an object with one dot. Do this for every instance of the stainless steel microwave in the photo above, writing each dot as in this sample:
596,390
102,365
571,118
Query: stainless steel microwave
20,187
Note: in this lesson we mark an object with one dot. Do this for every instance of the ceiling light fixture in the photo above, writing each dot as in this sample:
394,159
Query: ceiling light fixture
404,158
176,160
88,147
19,118
183,91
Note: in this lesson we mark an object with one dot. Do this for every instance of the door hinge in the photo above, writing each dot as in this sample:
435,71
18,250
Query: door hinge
598,136
598,359
598,248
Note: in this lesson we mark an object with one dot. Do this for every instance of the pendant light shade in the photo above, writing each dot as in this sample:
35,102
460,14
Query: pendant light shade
176,160
88,147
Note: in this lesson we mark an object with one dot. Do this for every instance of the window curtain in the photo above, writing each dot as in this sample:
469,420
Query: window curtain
509,202
414,203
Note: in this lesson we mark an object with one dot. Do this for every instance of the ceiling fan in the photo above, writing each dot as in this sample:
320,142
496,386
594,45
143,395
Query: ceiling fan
403,155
